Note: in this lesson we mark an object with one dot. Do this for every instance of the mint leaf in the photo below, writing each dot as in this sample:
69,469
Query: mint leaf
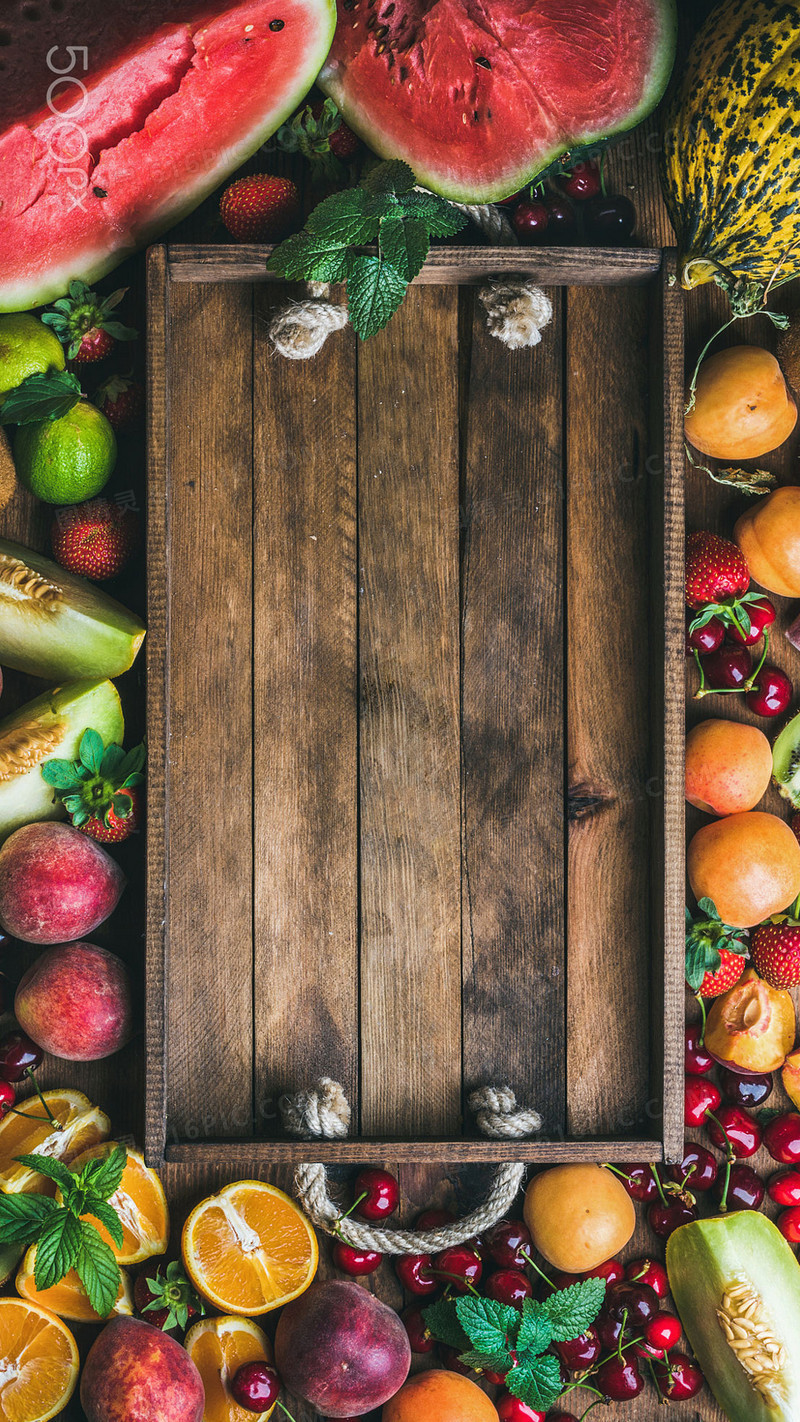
441,218
491,1326
104,1212
97,1270
441,1320
291,259
104,1174
91,750
22,1217
480,1361
536,1380
404,244
48,395
374,292
52,1169
57,1248
572,1310
535,1330
348,219
392,177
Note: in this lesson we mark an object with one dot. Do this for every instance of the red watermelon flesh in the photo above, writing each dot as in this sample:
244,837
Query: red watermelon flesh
479,96
169,110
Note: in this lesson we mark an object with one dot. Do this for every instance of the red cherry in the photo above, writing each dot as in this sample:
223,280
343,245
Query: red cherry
458,1267
562,227
782,1138
745,1088
513,1409
745,1189
678,1378
698,1060
788,1223
608,1330
583,182
419,1336
762,614
697,1170
699,1097
663,1331
580,1354
414,1273
728,668
649,1271
640,1182
355,1262
665,1219
631,1304
612,1271
772,692
453,1363
742,1131
381,1194
7,1097
255,1387
706,639
509,1243
433,1219
609,221
784,1187
508,1286
530,221
18,1054
619,1378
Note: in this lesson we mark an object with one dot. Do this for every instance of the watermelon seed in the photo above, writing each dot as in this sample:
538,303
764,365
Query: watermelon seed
483,61
277,24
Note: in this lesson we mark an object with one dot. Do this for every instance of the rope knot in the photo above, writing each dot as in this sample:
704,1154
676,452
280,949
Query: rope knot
497,1114
321,1112
516,313
301,329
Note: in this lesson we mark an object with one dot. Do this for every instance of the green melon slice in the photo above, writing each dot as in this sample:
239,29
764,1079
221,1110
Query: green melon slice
743,1254
50,728
56,625
479,96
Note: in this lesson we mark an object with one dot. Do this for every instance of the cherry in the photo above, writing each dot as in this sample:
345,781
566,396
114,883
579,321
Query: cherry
355,1262
453,1363
784,1187
631,1304
612,1271
459,1267
562,227
619,1378
18,1054
788,1223
782,1138
609,221
608,1330
742,1131
583,182
414,1273
771,693
640,1182
745,1189
697,1170
745,1089
255,1387
419,1336
506,1243
698,1060
7,1097
728,668
433,1219
706,639
513,1409
580,1354
530,221
665,1219
663,1331
496,1379
508,1286
381,1194
762,614
699,1097
649,1271
678,1378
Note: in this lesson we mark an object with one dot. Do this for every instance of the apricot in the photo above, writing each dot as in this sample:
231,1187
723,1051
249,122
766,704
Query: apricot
751,1027
578,1216
438,1396
742,406
728,766
748,864
790,1076
768,534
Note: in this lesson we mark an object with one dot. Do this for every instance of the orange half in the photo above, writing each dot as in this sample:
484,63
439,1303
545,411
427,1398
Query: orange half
140,1203
80,1125
38,1363
67,1298
249,1249
218,1347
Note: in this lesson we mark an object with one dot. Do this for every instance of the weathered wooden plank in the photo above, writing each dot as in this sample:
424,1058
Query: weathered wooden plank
367,1151
409,714
305,717
513,719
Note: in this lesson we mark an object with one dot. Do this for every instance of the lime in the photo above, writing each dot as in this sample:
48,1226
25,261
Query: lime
68,460
27,347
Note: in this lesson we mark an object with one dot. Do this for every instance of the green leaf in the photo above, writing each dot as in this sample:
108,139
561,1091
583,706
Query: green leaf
91,750
348,219
114,758
374,292
706,936
441,1320
52,1169
104,1212
45,396
479,1361
120,332
536,1380
572,1310
132,762
291,259
22,1217
97,1269
106,1173
392,177
404,244
122,805
61,774
57,1248
535,1330
491,1326
441,218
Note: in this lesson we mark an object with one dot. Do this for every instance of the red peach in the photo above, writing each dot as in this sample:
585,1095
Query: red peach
55,884
136,1373
75,1002
728,766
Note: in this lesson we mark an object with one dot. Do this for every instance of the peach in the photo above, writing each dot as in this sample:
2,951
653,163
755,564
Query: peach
742,406
748,864
440,1396
790,1075
75,1002
136,1373
55,884
751,1027
578,1216
768,534
341,1349
728,766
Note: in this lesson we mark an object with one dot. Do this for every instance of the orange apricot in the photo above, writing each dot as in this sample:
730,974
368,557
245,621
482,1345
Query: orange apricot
748,864
728,766
751,1027
578,1215
439,1396
768,534
742,406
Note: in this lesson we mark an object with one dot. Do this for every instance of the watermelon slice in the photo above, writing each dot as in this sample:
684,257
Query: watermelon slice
479,96
146,120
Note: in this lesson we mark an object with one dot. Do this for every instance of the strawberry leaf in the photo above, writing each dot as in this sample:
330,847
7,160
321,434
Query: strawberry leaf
706,937
61,774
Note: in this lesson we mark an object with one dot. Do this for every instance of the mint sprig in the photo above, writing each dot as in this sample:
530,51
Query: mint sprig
64,1237
47,395
503,1339
385,210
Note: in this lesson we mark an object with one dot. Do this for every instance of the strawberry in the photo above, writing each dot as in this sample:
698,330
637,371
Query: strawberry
715,952
164,1296
261,208
118,822
84,324
319,132
95,539
717,582
99,789
121,401
775,950
343,143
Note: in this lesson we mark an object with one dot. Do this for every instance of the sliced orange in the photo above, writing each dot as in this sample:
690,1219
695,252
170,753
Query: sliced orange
67,1298
38,1362
140,1203
249,1249
218,1347
80,1125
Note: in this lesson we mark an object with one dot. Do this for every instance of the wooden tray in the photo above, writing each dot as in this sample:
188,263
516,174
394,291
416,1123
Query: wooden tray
415,714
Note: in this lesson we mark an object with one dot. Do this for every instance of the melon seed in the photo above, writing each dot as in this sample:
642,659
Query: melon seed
26,746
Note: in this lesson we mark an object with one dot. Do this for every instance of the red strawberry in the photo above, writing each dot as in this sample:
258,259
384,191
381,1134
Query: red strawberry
343,143
121,401
715,952
114,826
99,789
726,975
84,324
715,570
775,950
95,539
261,208
164,1296
95,345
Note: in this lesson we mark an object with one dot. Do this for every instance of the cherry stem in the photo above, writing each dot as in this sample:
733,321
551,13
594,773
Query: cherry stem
535,1266
622,1333
657,1178
750,683
600,1398
51,1118
454,1279
285,1409
729,1159
346,1215
704,1017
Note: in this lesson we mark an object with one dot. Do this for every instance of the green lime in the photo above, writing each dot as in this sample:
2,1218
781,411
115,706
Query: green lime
68,460
27,347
